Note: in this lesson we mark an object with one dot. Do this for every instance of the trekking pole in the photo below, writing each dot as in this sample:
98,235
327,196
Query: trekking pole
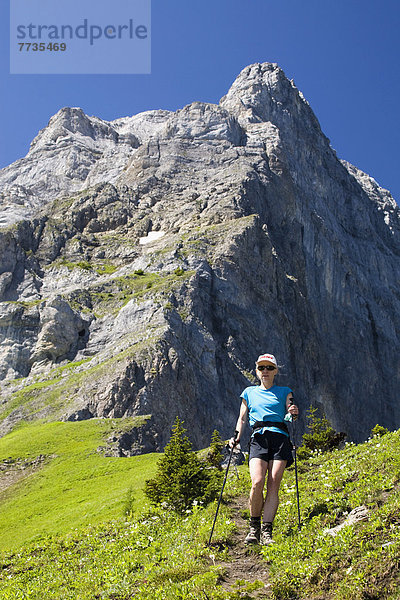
295,466
223,485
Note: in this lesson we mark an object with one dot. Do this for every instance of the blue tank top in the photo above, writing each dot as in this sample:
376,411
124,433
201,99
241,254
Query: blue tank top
266,405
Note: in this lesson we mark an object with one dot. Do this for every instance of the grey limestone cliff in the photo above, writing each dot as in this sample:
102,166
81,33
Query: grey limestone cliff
147,261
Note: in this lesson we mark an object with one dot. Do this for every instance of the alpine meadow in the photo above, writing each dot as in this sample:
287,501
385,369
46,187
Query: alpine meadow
145,263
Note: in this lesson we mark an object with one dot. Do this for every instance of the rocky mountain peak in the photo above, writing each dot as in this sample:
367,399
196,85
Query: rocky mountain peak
262,93
146,261
72,124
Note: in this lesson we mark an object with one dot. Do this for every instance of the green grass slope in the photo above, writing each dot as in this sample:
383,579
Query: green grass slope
356,562
154,554
74,485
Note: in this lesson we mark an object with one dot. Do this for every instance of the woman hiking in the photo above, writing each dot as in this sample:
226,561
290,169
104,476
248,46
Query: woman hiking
270,452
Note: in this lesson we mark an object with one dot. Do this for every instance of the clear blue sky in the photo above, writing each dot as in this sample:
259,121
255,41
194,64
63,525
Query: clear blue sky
342,54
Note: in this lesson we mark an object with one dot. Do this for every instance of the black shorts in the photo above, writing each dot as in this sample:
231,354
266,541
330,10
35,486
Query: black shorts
271,446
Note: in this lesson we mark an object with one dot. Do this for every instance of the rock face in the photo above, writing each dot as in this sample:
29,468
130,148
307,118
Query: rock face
146,262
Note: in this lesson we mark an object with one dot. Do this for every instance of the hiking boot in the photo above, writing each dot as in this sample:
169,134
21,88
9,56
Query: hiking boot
253,537
266,534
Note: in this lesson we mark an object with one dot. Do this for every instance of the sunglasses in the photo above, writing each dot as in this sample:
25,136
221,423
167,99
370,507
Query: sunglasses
268,367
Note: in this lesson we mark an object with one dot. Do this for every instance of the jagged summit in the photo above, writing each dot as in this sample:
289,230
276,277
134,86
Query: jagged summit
166,249
72,124
75,151
262,93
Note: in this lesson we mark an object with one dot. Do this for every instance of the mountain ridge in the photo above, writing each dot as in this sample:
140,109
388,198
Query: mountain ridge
174,246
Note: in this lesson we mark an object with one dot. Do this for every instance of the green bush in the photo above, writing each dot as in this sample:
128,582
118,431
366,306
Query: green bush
214,456
129,504
182,478
322,437
379,431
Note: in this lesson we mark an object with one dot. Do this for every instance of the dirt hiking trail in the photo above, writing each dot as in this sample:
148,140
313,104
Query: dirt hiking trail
245,566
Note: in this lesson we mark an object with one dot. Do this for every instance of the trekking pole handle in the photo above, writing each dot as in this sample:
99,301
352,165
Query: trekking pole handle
294,418
235,438
291,402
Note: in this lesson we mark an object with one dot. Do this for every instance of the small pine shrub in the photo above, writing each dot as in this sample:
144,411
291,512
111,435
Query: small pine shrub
215,456
379,431
182,478
128,507
322,437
